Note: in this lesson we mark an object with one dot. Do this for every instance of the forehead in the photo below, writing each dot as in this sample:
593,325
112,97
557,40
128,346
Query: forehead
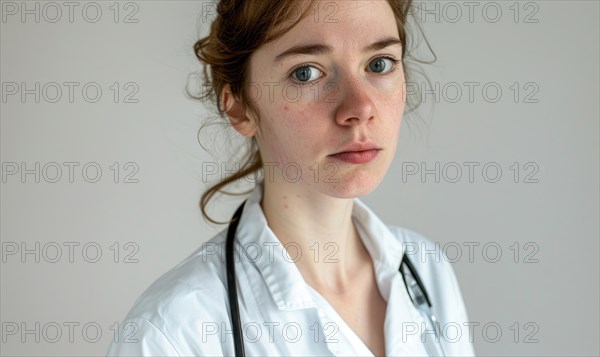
347,25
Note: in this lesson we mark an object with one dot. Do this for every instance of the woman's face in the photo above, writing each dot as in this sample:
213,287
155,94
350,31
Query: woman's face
315,103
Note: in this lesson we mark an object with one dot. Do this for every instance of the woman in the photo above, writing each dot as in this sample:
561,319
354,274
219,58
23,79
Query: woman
318,88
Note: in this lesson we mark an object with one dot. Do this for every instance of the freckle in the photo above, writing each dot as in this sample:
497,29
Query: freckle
298,196
286,206
284,197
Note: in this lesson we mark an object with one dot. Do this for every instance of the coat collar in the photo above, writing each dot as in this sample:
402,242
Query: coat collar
261,248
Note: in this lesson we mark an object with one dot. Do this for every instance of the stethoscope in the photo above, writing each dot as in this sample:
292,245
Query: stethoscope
413,283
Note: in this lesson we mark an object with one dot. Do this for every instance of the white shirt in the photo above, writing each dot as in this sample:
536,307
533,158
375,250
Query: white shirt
186,311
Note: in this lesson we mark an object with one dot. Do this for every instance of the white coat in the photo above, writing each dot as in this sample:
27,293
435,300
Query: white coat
186,311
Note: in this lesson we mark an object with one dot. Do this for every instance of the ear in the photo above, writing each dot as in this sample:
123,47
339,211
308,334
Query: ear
237,113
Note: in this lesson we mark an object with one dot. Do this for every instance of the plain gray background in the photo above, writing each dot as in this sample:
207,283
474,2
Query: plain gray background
533,276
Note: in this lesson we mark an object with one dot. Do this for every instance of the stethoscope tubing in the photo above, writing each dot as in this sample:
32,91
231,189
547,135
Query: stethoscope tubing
418,293
238,336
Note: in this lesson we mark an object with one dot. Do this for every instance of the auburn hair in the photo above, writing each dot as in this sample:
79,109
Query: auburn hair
240,28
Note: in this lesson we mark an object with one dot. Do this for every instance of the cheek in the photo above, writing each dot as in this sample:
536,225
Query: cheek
295,119
283,133
395,106
299,128
391,111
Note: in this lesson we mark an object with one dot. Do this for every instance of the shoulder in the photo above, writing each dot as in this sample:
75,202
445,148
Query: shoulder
428,258
420,249
438,276
408,235
184,299
198,278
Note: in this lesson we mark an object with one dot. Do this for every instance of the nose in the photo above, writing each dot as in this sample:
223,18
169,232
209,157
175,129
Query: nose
355,104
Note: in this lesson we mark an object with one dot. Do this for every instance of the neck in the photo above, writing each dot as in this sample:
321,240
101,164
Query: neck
320,228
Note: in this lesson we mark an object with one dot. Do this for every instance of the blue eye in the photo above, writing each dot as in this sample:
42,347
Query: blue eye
378,64
306,74
303,73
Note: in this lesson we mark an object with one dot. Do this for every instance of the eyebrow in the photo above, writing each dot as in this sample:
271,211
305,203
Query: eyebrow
320,49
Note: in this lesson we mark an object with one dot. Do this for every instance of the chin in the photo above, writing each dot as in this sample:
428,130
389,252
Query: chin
352,185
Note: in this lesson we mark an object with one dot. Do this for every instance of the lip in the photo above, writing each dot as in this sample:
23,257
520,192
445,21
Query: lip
356,147
357,157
